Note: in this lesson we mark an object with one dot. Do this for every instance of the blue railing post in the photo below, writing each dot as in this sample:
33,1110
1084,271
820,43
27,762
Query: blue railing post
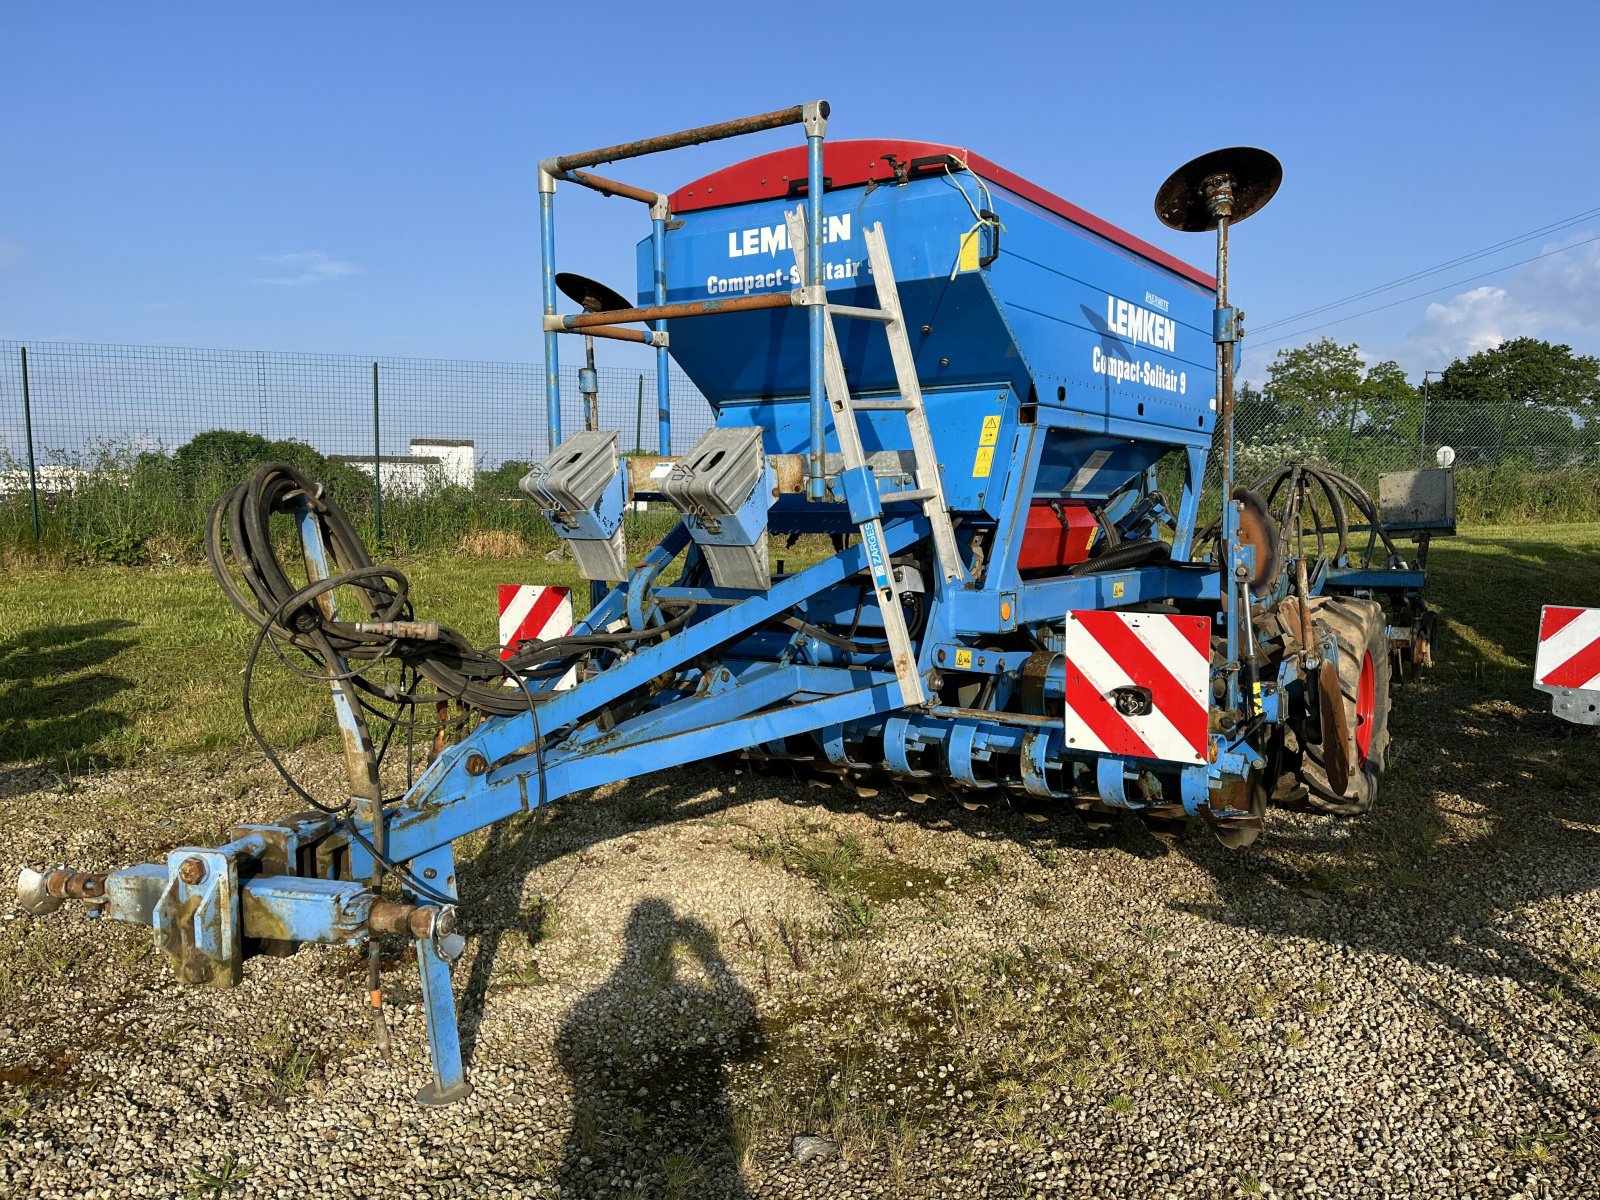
816,122
658,245
552,352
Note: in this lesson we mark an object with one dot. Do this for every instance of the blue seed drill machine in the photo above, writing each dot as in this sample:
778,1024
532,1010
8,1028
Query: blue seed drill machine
994,412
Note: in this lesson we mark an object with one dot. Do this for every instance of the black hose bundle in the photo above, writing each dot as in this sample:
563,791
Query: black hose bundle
292,614
1302,516
239,545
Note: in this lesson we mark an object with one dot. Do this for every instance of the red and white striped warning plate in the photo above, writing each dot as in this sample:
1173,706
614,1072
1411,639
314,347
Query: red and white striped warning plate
1136,684
1569,648
529,611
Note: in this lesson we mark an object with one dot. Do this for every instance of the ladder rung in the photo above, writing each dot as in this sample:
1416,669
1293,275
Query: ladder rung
854,313
910,494
882,405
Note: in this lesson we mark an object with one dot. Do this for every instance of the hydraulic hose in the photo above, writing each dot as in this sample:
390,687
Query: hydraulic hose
1294,488
1128,554
245,562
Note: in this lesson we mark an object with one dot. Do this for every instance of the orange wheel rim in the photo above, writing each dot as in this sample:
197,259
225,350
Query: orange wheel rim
1366,706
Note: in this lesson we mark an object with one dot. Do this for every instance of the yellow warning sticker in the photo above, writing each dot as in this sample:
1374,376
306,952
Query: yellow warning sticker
1118,590
982,465
971,249
991,431
964,658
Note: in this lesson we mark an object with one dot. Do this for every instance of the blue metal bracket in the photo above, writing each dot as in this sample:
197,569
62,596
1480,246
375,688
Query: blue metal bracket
197,918
861,494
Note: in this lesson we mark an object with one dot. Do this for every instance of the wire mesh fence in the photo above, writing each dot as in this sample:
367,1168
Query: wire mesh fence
116,452
84,398
108,449
1513,462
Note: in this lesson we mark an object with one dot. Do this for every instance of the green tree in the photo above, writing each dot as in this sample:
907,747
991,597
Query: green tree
1525,399
1526,371
210,463
1363,417
502,482
1318,383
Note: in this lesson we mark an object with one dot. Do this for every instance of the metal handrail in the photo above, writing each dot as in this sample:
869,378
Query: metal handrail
567,167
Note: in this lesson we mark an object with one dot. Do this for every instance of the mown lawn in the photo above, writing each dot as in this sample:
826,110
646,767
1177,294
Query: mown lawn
1490,582
108,665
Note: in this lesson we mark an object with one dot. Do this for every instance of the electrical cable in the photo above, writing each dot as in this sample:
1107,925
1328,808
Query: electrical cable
982,217
436,652
1543,230
1443,287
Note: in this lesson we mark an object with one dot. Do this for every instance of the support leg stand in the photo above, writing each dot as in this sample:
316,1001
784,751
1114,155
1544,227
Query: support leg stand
449,1082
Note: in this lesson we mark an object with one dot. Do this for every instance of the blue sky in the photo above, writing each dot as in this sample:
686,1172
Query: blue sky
360,177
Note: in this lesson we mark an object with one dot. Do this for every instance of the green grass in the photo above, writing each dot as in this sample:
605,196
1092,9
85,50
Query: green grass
132,507
1490,581
853,879
229,1176
107,665
1516,493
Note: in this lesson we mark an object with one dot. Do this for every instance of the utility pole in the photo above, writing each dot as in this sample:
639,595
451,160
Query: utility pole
1422,435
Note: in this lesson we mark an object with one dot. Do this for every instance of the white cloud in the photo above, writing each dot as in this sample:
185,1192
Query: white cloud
10,253
1556,298
306,266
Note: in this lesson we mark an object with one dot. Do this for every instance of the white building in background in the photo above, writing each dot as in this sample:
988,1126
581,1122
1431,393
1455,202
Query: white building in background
53,478
433,462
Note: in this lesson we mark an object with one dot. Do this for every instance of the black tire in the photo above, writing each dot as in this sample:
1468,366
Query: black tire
1359,627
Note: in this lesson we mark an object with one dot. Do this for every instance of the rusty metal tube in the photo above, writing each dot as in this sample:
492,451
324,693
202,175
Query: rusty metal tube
669,312
788,472
42,892
617,335
611,187
67,884
675,141
412,920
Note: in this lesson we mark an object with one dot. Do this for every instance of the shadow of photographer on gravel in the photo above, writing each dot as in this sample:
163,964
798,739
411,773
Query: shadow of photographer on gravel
648,1053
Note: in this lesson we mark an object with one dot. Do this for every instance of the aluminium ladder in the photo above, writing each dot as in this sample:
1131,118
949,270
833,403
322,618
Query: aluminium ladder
928,494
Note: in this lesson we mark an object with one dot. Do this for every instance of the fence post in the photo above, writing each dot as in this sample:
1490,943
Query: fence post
27,433
638,416
1349,434
1422,436
377,463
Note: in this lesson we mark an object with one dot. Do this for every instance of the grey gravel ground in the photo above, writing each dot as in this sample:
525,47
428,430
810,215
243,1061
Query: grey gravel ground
667,981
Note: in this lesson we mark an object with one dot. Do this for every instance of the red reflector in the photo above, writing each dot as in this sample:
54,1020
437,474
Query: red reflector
1056,535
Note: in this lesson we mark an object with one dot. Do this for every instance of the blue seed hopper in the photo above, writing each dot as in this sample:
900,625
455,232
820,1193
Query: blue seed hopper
947,528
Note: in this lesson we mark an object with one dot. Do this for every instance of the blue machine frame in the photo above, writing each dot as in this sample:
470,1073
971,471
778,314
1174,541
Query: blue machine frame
1064,365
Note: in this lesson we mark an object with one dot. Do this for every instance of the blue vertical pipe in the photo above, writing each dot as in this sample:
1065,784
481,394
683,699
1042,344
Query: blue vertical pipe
552,352
818,314
658,245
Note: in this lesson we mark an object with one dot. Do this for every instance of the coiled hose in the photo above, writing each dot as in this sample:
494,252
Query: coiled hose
240,547
1300,484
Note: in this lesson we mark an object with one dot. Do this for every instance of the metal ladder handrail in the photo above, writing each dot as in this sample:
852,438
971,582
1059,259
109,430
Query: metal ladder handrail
928,495
813,115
